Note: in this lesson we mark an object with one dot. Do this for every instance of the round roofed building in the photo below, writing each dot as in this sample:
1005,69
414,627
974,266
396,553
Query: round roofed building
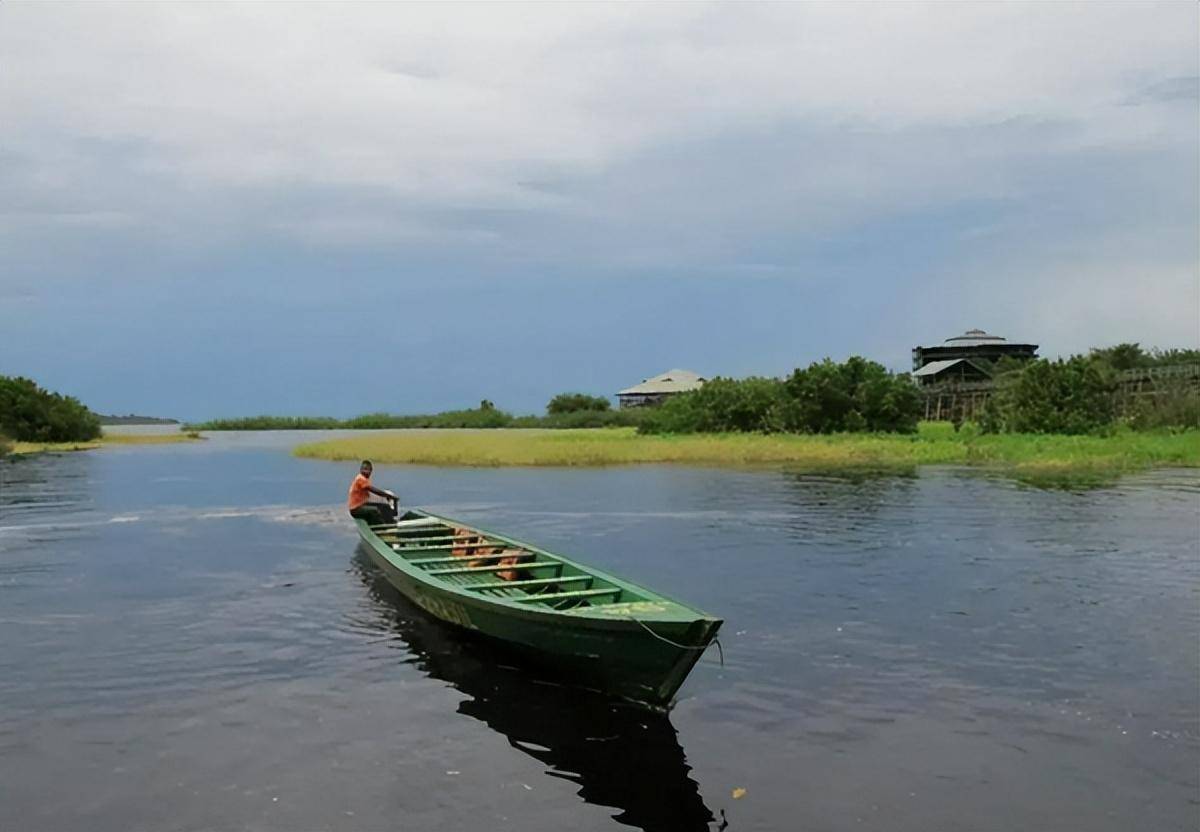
966,357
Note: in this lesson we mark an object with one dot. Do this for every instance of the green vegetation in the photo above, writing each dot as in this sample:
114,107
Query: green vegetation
1074,396
576,403
570,410
34,420
1067,420
105,441
1173,404
856,395
1026,456
19,448
1083,394
268,423
134,419
1131,356
485,416
584,419
30,414
150,438
825,397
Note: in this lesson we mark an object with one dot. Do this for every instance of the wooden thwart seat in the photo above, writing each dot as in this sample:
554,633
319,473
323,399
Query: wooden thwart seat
439,539
465,570
453,547
579,593
469,581
459,558
531,582
408,524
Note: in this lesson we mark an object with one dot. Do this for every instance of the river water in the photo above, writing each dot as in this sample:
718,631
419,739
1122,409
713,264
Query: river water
190,638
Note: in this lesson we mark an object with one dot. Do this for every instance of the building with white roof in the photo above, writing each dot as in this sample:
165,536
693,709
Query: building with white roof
659,388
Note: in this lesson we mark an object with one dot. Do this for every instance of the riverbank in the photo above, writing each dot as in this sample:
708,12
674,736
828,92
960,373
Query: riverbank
933,444
106,440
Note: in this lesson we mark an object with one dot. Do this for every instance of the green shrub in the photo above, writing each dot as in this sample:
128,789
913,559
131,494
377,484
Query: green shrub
1072,396
575,402
1126,356
826,397
968,430
30,414
856,395
1170,405
1131,356
722,405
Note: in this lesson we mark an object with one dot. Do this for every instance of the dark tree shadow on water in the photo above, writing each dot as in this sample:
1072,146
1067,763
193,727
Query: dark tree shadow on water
619,755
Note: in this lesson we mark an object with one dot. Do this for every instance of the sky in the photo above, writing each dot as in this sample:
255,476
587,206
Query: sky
214,210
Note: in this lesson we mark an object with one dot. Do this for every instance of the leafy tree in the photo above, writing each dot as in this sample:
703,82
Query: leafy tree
1172,357
1130,356
1073,396
722,405
1125,356
856,395
1173,404
1008,364
30,414
575,402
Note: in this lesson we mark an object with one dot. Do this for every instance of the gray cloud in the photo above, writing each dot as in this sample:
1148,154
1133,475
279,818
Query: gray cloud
880,143
1169,89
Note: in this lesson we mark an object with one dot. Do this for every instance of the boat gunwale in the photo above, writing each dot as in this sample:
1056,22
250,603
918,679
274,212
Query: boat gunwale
684,613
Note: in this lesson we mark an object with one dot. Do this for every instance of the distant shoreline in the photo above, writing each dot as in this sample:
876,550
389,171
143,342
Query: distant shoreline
107,440
135,420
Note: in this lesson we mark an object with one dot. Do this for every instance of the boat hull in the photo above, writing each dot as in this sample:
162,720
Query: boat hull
632,656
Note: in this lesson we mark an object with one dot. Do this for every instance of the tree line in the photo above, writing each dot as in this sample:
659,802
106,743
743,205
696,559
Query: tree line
566,410
825,397
1083,394
1077,395
30,414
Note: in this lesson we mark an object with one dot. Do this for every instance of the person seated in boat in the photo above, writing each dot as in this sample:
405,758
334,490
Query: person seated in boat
359,501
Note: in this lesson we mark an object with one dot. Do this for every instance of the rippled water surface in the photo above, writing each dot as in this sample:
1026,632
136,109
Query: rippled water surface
190,638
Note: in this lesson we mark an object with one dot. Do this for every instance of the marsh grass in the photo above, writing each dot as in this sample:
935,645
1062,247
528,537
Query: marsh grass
481,417
150,438
106,440
1026,456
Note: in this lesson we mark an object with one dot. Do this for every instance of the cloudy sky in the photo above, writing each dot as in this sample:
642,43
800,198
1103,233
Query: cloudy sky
217,210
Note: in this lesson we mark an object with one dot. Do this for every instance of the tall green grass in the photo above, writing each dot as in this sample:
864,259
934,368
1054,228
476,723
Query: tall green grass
1030,456
106,440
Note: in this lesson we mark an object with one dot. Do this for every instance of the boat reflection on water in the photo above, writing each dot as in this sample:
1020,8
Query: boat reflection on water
620,755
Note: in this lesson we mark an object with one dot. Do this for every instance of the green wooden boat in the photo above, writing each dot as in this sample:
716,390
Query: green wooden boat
603,631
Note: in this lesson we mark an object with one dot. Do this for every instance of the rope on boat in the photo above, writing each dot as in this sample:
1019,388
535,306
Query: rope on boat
716,641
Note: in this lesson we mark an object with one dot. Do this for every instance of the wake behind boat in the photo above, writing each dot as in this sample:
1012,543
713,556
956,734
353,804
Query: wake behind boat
607,632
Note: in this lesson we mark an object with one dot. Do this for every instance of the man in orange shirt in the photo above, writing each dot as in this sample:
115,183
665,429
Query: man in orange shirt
360,494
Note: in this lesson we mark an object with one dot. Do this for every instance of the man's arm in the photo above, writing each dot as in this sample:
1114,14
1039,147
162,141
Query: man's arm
380,492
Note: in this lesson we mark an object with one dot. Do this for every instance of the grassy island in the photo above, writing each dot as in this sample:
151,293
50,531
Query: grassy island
1025,455
107,440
